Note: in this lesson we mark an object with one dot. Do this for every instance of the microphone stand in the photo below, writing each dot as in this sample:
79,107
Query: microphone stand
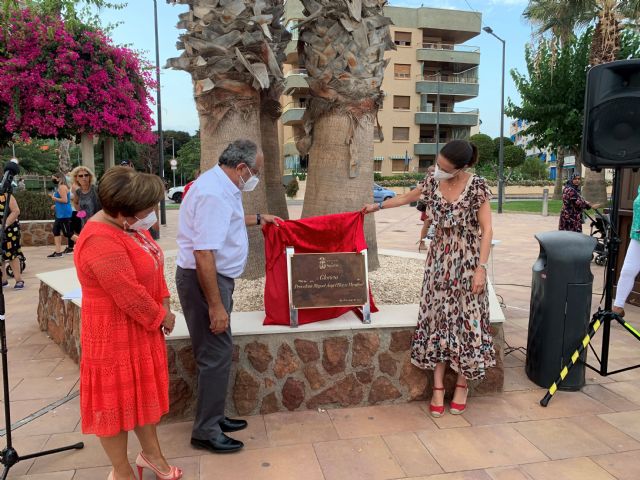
9,456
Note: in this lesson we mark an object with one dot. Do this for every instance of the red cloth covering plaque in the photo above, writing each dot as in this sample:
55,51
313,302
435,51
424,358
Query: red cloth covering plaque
342,232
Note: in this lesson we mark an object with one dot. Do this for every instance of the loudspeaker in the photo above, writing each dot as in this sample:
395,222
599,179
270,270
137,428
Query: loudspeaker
611,132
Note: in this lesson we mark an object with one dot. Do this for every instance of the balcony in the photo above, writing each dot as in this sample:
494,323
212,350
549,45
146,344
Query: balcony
464,55
461,117
295,80
292,113
427,146
465,87
289,148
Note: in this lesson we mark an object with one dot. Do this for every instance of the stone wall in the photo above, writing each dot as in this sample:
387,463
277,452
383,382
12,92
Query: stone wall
291,371
36,233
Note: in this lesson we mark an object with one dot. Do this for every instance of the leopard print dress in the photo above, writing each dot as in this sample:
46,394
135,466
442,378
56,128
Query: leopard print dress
453,324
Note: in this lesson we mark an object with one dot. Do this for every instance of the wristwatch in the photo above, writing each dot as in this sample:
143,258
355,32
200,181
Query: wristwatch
258,219
484,265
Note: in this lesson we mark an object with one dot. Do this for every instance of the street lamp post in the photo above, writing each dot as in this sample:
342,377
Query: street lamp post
489,30
438,114
163,210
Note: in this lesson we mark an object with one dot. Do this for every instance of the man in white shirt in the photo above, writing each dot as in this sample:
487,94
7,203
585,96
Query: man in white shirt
213,247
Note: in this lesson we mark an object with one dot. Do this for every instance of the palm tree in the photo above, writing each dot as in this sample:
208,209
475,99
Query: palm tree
342,46
227,50
270,112
608,16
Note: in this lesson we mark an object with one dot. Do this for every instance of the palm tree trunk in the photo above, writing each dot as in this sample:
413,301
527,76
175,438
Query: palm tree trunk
604,48
217,131
64,159
276,200
330,187
557,189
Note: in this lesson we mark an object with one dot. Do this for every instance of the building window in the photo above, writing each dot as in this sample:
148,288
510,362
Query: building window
401,133
398,165
402,71
376,134
377,166
401,102
402,38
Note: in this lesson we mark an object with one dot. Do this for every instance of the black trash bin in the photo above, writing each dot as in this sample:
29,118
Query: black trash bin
560,307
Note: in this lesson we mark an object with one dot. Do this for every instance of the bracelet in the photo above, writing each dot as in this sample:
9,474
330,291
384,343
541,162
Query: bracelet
484,265
258,219
380,205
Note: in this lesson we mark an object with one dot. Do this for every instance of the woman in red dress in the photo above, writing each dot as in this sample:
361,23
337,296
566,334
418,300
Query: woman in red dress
124,381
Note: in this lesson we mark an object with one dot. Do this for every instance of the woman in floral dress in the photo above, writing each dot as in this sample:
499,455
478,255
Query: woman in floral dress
573,205
453,321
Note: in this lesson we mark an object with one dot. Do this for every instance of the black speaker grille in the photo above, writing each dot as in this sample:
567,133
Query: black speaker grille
614,130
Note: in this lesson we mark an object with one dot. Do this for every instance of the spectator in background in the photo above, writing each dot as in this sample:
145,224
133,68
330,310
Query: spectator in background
63,212
11,247
21,185
85,197
573,205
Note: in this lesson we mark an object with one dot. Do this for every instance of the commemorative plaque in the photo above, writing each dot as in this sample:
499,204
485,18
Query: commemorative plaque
321,280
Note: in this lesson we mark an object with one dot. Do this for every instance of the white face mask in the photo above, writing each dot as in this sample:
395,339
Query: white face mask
144,223
439,174
250,184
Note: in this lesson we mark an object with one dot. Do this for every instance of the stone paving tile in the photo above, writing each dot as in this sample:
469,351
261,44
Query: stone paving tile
385,419
63,419
291,462
23,408
33,368
34,387
629,390
627,422
25,446
68,475
475,448
623,466
609,398
366,458
570,469
411,454
299,427
469,475
507,473
575,437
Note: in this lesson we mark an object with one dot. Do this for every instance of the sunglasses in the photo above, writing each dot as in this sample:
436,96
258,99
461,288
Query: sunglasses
82,175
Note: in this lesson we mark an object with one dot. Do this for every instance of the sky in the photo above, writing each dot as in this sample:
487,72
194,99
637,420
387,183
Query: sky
136,30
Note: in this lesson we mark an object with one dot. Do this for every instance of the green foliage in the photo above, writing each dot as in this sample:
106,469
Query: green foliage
506,141
34,205
189,157
301,176
552,92
533,169
38,156
514,156
377,177
485,148
292,188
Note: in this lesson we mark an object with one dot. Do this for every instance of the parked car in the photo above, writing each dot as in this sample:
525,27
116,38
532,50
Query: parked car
175,194
380,194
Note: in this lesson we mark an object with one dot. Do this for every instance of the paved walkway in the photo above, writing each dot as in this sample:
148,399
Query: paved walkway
590,435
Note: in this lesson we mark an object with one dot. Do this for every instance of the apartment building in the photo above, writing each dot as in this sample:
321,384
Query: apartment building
519,136
431,71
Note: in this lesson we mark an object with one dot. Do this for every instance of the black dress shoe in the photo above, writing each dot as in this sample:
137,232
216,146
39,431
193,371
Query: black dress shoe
220,444
232,424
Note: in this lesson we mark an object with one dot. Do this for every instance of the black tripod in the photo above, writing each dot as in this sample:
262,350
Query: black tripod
9,456
603,317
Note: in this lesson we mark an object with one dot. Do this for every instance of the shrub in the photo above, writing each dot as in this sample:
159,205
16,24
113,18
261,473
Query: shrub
377,177
34,206
292,188
534,169
300,176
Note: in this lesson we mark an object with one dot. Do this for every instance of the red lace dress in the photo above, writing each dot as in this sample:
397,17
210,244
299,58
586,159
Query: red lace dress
123,367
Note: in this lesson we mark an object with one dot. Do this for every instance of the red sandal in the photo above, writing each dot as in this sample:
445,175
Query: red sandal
458,408
436,411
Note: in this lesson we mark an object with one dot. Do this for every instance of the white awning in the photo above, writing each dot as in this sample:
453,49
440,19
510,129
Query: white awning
378,159
399,157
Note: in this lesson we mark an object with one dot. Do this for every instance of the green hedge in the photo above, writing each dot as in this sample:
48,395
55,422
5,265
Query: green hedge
34,206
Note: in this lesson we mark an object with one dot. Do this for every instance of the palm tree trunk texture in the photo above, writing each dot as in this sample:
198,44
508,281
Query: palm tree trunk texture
276,199
329,186
215,135
64,159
